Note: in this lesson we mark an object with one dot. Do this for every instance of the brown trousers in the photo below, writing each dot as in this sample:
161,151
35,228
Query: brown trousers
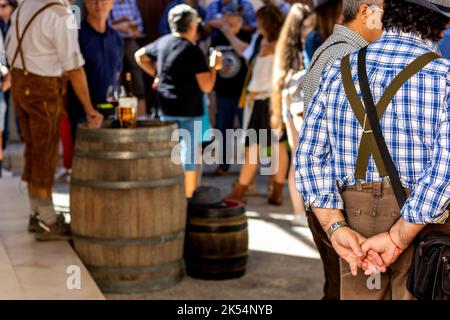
371,209
39,106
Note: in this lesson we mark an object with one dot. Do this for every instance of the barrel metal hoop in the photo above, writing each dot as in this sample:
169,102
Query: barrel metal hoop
213,261
126,185
123,155
130,242
221,229
198,212
136,270
123,136
128,287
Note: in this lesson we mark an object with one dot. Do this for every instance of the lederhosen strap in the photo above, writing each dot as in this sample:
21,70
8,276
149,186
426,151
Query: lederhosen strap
27,26
368,144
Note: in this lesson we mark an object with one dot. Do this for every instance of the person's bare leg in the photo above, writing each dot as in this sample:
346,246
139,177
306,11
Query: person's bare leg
279,167
40,193
282,158
199,168
250,167
296,199
190,182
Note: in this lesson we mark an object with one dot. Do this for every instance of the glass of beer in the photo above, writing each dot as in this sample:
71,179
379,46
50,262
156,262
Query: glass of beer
127,112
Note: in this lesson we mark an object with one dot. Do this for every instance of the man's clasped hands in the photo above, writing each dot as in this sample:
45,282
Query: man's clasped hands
372,255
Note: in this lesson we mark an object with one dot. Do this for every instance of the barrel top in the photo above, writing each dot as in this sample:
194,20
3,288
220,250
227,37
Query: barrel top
146,131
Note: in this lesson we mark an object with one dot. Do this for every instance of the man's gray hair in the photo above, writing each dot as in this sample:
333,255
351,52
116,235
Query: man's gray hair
351,8
181,18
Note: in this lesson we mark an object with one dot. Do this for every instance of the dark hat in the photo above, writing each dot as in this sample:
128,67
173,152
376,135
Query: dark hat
206,196
439,6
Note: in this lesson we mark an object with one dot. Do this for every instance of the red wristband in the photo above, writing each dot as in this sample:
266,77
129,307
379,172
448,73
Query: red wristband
397,246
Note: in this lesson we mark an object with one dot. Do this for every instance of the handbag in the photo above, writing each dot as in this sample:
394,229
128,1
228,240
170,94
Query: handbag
429,277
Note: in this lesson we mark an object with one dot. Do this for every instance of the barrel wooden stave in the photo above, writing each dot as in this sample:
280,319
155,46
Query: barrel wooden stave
213,250
130,236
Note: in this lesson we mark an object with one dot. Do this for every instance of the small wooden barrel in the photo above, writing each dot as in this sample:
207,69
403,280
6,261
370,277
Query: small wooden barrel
128,207
216,244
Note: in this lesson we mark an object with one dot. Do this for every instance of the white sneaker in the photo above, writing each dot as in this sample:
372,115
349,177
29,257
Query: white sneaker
7,173
300,220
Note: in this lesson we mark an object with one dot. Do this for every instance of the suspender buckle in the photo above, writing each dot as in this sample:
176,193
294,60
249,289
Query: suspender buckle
364,126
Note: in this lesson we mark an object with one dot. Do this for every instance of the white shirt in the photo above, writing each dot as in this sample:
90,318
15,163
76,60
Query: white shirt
50,46
261,81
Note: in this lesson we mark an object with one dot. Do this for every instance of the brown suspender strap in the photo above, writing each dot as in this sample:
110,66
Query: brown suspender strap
20,38
368,144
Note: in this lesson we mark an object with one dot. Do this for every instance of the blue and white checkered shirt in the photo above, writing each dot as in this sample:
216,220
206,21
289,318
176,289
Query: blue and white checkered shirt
126,9
416,127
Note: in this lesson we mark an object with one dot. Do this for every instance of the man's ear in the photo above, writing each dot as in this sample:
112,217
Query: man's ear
364,12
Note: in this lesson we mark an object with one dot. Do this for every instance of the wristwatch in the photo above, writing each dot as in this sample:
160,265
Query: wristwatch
335,226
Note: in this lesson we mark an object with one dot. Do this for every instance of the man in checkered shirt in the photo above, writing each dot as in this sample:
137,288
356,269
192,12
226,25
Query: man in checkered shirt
361,215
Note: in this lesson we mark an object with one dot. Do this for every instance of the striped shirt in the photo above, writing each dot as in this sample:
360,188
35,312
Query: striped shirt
416,127
342,42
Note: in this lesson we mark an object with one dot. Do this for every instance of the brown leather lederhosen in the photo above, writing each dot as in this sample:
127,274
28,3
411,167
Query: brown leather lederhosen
38,104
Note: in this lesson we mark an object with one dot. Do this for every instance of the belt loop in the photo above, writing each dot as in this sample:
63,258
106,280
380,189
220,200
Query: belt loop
359,186
377,189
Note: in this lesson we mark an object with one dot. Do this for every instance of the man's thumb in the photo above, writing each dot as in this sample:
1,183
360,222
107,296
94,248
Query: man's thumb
365,246
356,248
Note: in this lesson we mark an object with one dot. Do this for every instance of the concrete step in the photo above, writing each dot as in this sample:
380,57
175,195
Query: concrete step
43,270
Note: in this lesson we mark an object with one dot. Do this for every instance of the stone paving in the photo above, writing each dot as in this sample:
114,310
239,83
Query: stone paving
283,261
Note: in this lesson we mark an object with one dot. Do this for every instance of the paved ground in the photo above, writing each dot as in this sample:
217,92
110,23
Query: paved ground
283,262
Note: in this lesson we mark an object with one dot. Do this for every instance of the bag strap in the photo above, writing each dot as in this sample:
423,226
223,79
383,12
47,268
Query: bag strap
323,51
248,76
27,26
373,116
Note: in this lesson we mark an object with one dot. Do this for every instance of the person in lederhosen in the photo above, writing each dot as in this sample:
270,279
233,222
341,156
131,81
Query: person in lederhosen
42,45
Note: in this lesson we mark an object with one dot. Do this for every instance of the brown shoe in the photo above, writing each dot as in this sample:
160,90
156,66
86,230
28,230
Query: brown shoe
33,223
59,231
277,194
239,192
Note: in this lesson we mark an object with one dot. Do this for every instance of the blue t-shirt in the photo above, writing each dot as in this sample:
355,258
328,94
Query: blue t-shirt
103,53
164,27
444,44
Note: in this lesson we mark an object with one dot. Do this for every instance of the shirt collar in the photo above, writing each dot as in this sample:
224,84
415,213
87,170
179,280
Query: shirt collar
411,39
341,31
92,30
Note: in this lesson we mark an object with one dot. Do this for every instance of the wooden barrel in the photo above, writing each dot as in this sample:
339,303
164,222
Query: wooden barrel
216,244
128,207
